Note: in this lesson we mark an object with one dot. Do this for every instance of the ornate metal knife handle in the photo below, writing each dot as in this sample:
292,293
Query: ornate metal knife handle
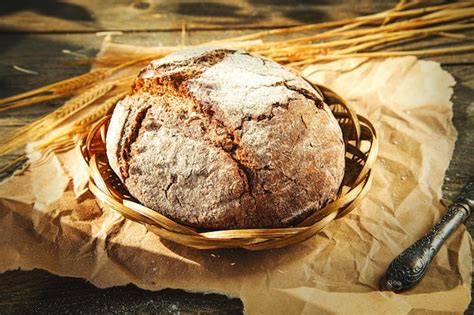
407,269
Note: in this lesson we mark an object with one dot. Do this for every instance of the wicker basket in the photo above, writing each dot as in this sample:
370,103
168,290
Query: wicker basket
361,150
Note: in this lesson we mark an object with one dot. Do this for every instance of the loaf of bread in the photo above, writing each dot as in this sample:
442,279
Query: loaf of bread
224,139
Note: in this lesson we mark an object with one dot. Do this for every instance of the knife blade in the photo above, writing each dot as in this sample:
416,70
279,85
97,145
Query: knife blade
408,268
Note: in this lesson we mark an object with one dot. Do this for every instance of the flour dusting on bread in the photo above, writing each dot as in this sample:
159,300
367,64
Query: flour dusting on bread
221,139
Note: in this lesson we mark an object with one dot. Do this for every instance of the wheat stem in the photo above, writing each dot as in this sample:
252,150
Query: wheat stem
368,18
62,87
363,39
398,26
387,54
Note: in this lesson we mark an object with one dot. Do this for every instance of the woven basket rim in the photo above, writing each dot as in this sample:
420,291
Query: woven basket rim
361,146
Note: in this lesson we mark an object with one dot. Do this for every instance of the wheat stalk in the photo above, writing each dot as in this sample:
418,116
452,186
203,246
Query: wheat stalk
365,19
394,27
83,100
61,88
62,141
81,125
101,111
278,52
365,36
51,121
387,54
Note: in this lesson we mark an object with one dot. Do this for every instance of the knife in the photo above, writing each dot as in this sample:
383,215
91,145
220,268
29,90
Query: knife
408,268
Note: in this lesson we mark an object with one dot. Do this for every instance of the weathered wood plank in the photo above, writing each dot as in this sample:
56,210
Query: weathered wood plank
147,15
41,292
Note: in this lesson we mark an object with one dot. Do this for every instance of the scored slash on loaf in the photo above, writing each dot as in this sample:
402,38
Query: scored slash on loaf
222,139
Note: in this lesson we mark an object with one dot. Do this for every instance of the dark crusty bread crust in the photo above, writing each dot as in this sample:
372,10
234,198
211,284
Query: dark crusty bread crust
221,139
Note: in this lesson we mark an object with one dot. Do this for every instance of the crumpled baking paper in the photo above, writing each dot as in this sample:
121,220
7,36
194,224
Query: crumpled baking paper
49,221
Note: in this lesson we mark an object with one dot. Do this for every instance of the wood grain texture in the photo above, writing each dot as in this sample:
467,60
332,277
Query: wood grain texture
148,15
41,292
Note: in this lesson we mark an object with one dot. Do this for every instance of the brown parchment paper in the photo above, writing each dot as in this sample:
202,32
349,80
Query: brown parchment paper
49,221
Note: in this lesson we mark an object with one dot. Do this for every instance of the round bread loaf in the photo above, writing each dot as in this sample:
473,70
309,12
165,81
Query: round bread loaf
223,139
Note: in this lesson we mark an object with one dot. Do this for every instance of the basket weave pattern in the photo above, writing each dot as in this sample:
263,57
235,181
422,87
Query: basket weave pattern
361,150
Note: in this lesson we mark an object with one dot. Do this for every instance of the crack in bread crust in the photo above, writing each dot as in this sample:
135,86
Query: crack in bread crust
276,187
174,83
176,80
305,93
129,138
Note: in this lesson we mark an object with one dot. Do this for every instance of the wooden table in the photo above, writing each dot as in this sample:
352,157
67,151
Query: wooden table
35,34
